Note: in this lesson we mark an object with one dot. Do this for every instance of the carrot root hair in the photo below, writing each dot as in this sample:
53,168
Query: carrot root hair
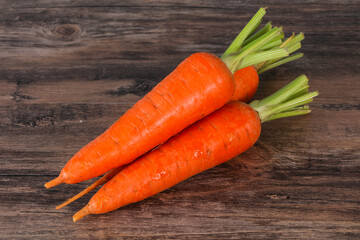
82,213
82,193
104,179
54,182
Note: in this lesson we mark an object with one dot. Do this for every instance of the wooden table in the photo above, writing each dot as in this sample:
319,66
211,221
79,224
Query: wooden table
69,69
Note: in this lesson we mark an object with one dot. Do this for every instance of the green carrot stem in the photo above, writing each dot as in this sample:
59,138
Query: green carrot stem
288,40
305,107
301,91
292,44
259,33
248,29
288,101
261,41
234,61
254,50
296,39
259,57
288,114
271,44
299,101
278,37
291,112
293,47
267,67
285,92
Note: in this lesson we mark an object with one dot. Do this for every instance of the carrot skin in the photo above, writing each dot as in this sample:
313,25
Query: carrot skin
201,84
211,141
247,82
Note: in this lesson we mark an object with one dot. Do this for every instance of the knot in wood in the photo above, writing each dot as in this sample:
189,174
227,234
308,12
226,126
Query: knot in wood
67,32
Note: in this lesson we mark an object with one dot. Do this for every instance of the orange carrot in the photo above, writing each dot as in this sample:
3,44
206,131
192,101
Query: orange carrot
211,141
201,84
247,82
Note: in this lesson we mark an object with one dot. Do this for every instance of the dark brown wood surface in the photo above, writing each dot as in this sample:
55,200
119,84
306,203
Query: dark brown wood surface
69,69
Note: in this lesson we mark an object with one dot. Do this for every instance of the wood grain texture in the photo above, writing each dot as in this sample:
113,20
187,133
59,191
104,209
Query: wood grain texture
69,69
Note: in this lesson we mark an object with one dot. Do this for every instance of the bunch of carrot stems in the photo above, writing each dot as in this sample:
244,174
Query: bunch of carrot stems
194,119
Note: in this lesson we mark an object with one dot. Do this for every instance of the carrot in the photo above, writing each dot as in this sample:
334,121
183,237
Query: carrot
247,82
201,84
211,141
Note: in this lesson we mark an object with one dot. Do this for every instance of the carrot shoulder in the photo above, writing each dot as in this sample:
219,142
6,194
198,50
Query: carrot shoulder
211,141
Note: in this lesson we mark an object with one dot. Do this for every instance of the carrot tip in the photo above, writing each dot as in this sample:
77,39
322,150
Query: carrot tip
54,182
60,206
82,213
